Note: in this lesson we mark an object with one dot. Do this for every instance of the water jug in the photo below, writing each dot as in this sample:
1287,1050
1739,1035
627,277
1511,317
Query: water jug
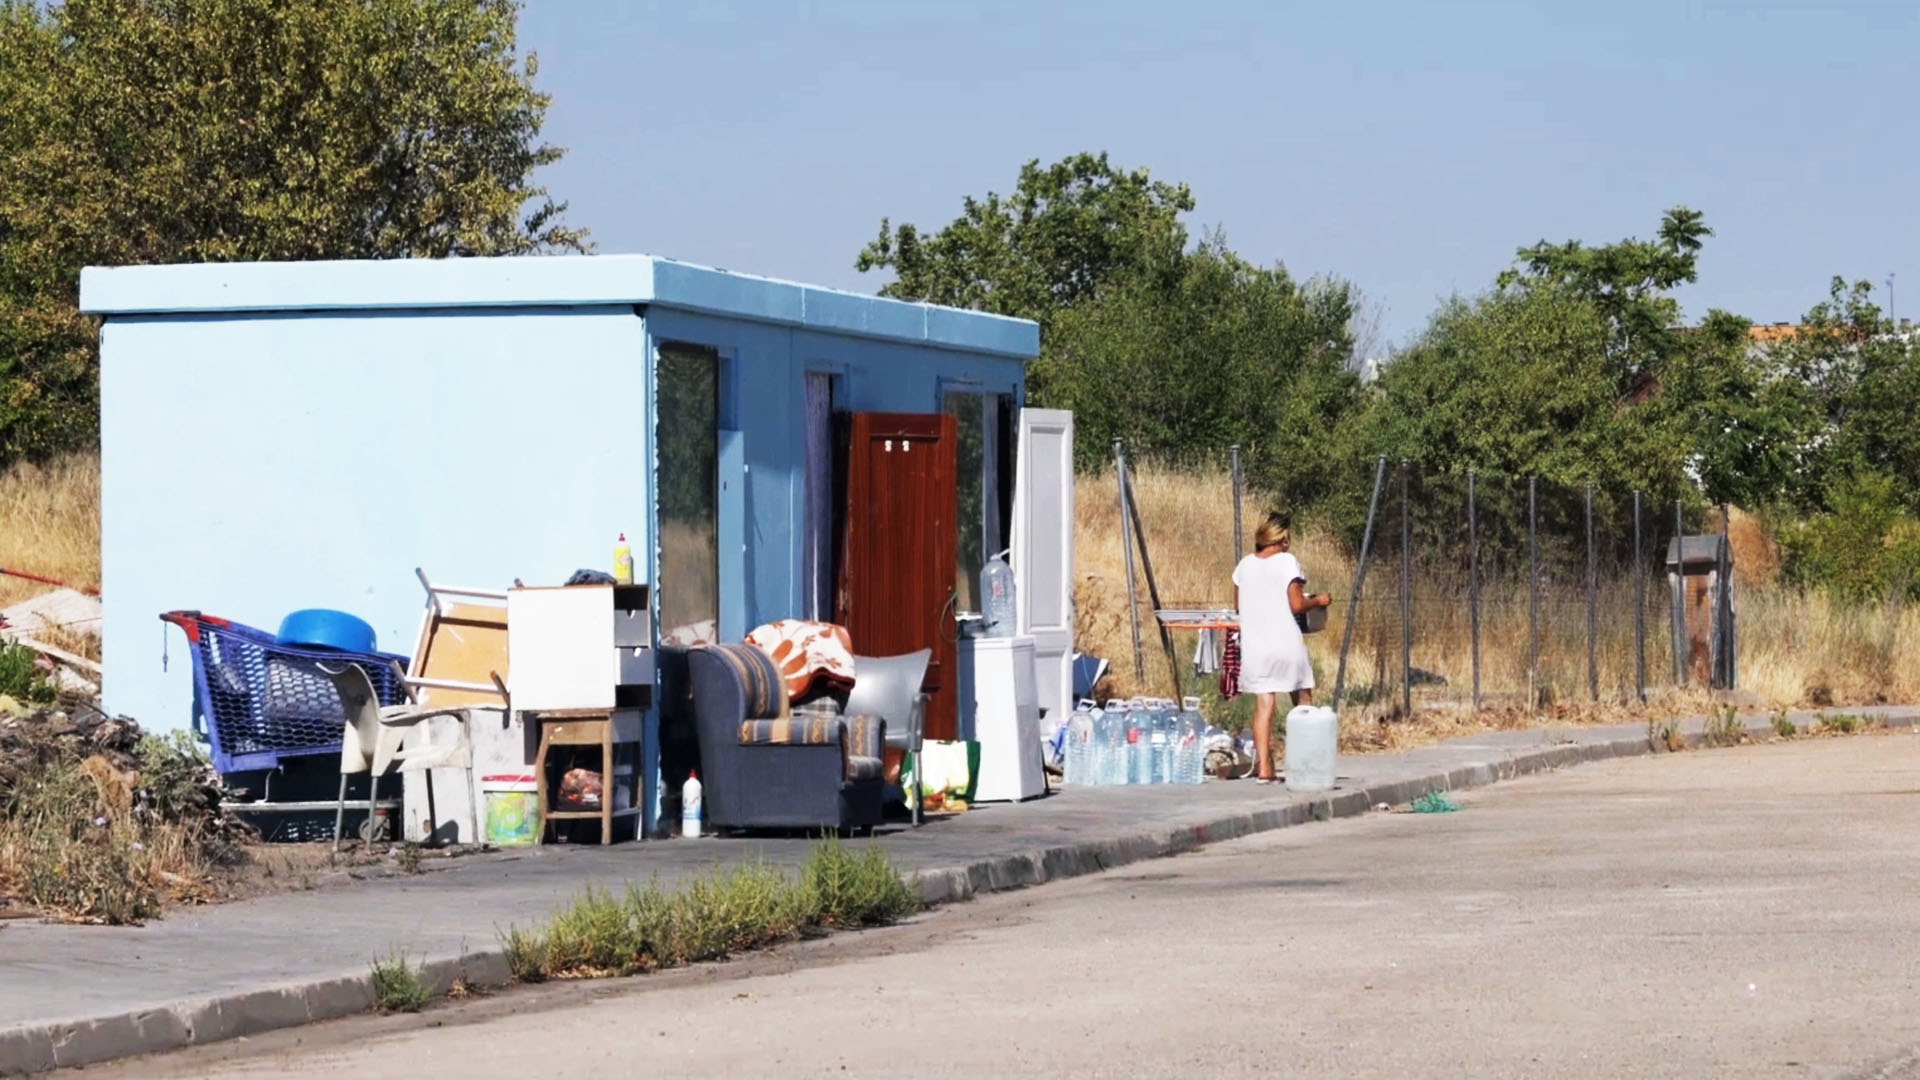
996,598
1313,748
1079,735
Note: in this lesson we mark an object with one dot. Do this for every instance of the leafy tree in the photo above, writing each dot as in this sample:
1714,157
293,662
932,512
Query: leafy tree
1068,230
150,131
1180,350
1229,353
1859,380
1629,283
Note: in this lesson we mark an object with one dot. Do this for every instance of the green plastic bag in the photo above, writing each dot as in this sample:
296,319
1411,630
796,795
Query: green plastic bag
950,773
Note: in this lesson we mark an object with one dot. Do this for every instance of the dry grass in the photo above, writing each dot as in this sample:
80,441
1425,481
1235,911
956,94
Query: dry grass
50,525
1796,648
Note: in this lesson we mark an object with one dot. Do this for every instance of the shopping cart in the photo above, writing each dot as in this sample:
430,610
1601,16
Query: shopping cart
257,702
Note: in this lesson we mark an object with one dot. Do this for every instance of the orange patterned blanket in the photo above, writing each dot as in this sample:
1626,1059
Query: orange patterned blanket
813,657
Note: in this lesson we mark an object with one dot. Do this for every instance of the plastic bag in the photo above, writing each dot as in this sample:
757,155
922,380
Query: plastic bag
580,789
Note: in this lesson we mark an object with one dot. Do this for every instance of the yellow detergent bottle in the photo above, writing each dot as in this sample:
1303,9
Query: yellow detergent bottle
622,561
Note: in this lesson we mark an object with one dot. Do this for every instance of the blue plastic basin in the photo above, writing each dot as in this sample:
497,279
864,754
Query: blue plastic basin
324,629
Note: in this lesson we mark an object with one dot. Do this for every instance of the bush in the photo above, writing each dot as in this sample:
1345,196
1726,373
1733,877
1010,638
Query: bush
107,828
397,986
20,679
1867,549
848,890
723,913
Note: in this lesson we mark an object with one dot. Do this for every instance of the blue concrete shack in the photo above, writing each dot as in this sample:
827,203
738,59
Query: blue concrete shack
290,435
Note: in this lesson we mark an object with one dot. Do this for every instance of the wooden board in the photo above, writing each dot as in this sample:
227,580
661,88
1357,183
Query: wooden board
466,643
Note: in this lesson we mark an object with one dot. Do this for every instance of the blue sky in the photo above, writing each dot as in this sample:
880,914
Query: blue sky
1408,146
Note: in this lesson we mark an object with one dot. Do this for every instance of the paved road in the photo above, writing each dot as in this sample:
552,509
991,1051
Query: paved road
1733,913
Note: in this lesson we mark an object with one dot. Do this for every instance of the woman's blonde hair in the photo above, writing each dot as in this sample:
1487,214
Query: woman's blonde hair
1273,532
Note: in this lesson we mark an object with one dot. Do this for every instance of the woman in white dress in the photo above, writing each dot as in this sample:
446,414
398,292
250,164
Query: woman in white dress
1273,652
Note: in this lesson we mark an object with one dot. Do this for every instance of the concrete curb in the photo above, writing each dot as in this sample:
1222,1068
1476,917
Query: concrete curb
42,1047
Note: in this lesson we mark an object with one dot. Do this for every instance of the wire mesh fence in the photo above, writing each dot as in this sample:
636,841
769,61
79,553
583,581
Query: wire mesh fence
1488,591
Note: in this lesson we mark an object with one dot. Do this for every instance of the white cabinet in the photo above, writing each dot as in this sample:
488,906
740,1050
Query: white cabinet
1002,710
579,647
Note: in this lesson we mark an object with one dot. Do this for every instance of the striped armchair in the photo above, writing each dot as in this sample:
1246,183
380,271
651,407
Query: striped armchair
762,767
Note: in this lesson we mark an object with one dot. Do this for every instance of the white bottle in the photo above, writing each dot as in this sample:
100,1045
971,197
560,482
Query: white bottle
1313,748
690,808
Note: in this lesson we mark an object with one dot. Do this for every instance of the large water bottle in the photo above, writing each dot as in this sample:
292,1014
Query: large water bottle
1139,747
1110,738
1193,743
1313,748
1157,745
1079,736
996,597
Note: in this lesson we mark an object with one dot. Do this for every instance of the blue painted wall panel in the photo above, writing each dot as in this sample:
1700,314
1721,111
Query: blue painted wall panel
767,368
253,465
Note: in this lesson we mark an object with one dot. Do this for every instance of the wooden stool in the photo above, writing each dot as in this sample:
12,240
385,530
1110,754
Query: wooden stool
609,730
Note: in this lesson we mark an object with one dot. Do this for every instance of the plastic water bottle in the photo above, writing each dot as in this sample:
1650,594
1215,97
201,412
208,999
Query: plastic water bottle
691,808
1193,748
1140,742
1109,740
1079,734
1161,734
996,597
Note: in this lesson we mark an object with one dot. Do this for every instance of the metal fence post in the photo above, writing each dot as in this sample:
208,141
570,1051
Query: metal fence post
1126,547
1723,607
1239,496
1679,589
1593,608
1473,580
1406,592
1639,608
1533,592
1359,580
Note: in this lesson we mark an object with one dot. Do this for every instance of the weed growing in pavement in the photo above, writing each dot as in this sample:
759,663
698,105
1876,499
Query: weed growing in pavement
397,985
407,858
1843,724
720,914
1783,725
1724,728
1665,733
844,889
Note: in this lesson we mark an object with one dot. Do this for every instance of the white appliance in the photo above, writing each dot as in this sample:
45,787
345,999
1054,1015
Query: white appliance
999,706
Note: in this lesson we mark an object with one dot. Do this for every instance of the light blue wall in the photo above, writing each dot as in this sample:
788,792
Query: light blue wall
256,464
278,436
765,374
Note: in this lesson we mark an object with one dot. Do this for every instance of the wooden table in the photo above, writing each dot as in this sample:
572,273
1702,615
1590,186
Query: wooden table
611,730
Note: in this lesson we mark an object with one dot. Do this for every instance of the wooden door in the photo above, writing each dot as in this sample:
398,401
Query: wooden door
897,566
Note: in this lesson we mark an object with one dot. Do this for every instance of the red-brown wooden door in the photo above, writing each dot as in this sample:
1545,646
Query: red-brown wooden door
896,573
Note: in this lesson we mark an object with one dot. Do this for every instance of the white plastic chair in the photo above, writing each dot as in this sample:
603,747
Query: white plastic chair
374,740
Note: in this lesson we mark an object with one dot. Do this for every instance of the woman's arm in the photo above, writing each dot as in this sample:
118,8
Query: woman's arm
1300,602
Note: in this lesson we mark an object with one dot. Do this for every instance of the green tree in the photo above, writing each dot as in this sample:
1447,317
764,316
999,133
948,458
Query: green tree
1227,353
1860,379
1068,231
1181,350
153,131
1628,282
